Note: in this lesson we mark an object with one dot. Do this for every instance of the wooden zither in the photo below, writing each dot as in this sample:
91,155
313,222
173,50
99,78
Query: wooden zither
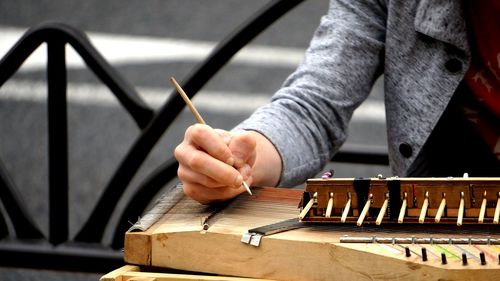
347,229
380,200
261,236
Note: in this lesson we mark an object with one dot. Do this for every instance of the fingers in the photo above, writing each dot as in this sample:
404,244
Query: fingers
214,163
206,196
204,157
242,147
199,167
205,190
209,140
226,136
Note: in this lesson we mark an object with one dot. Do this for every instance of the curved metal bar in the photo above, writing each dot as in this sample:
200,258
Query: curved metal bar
57,35
142,197
57,141
4,230
16,56
22,222
93,229
68,257
33,38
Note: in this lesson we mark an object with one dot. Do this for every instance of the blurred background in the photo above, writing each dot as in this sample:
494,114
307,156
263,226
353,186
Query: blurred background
147,42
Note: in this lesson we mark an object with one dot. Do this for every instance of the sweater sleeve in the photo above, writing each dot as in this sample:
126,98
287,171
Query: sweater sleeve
307,119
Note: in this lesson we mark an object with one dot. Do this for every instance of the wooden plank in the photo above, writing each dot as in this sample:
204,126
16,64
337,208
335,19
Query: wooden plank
134,273
150,276
138,245
311,253
138,242
116,275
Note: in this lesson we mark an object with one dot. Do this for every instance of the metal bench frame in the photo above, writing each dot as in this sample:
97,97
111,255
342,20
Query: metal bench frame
22,244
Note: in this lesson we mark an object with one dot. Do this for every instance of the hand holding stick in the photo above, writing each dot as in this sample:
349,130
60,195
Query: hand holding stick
197,115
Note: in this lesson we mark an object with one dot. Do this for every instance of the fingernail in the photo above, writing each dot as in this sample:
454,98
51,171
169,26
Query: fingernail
230,161
239,181
247,170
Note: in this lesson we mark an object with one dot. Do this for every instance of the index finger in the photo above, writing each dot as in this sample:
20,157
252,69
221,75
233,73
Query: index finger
207,139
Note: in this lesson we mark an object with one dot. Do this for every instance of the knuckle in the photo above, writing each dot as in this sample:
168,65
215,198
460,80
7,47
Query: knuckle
196,161
189,191
205,181
179,152
198,131
188,132
232,178
181,173
223,152
194,194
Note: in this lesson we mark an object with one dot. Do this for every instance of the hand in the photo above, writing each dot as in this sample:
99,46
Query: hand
214,163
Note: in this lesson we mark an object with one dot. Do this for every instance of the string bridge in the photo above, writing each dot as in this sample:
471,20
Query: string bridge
402,200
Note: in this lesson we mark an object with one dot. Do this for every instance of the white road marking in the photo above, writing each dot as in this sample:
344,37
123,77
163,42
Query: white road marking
123,49
208,101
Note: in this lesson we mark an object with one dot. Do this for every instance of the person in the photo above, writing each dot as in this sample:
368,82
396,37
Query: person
441,65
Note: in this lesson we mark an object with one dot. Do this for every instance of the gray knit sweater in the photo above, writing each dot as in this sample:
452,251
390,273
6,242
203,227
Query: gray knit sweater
420,47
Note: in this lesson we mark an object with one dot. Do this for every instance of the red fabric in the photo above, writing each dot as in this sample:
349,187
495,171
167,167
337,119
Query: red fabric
483,76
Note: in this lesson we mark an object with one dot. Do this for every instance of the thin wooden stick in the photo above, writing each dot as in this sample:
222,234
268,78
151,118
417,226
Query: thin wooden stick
364,212
461,209
381,214
482,212
329,207
402,212
346,208
496,216
187,101
440,210
308,206
423,212
197,115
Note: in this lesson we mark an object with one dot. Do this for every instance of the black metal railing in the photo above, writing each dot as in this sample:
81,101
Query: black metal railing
28,247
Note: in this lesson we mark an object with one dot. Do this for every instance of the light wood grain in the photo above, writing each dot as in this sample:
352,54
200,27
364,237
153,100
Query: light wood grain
311,253
116,275
134,273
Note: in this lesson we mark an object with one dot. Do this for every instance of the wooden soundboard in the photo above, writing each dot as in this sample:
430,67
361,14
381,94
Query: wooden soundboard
195,237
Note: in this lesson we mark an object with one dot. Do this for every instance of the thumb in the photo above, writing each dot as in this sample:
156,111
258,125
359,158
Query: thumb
242,147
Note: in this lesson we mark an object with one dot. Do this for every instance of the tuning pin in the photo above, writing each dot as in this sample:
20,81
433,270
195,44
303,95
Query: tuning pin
440,210
443,258
497,210
381,214
402,212
346,208
365,210
407,252
425,205
308,206
461,209
482,212
329,207
424,254
482,258
464,259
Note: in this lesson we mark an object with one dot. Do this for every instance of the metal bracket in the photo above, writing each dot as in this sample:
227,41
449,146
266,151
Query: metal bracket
254,236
